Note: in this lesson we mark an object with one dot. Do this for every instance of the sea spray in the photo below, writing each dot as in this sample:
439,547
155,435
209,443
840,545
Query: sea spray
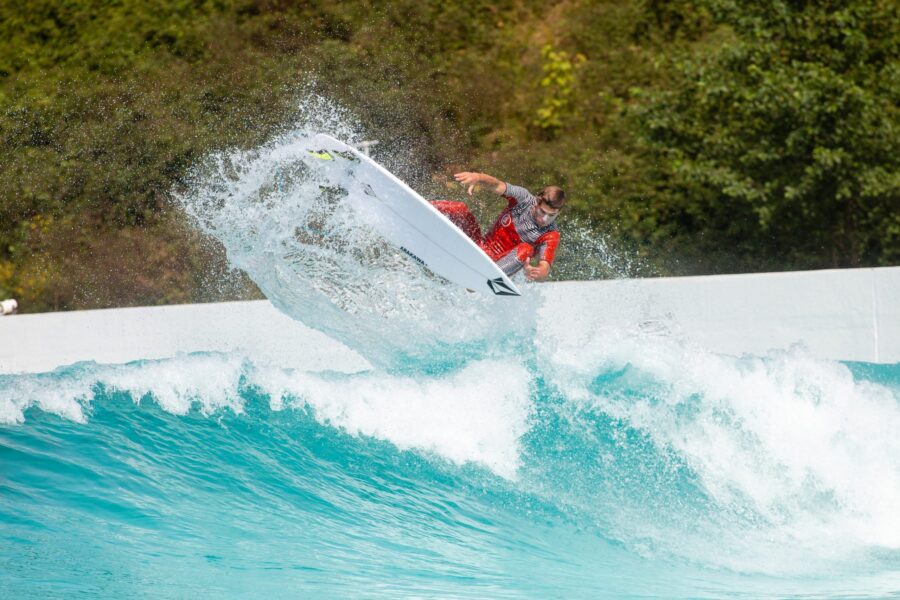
298,239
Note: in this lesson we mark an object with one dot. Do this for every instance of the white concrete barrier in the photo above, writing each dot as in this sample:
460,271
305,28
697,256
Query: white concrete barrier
851,314
847,314
41,342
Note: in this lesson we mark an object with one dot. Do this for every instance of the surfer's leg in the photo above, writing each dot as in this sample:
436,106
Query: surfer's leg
515,259
461,216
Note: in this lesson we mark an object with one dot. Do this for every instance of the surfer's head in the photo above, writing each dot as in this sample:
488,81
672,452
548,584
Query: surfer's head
550,201
552,196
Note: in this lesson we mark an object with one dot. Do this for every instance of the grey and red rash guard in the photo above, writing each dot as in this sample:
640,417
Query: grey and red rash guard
515,237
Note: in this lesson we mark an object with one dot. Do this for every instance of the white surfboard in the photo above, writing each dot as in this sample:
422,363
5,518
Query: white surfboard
406,220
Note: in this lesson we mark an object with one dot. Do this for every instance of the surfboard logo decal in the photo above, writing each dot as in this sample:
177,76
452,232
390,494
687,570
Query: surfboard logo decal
321,154
499,287
346,155
414,257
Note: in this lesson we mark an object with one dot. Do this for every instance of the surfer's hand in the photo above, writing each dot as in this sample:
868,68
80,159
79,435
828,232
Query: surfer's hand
471,180
538,273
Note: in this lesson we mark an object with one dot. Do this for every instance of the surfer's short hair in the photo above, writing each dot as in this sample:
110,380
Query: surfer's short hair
553,196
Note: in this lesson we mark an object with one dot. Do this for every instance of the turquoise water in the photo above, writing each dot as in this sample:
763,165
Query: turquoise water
205,476
482,455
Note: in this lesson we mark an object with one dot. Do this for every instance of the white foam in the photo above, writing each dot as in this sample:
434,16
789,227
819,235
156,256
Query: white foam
804,458
207,382
475,415
63,397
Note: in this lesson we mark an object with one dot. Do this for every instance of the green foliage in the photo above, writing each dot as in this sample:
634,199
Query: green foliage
787,142
558,83
103,107
701,136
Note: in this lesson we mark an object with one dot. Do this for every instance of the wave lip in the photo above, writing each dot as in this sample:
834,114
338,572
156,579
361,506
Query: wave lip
464,416
469,416
209,382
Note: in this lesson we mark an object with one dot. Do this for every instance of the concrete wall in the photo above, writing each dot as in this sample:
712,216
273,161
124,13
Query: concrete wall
849,314
842,314
41,342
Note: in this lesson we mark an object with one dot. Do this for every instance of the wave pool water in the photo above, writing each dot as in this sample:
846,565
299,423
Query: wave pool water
207,476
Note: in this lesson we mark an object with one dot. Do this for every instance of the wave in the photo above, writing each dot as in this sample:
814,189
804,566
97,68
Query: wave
788,462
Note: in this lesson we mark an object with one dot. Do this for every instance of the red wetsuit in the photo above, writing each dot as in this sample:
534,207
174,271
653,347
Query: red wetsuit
515,236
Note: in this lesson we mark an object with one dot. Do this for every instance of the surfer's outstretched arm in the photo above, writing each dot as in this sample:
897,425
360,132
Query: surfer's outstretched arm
470,180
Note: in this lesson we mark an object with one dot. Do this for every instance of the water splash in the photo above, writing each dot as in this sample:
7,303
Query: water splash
586,254
297,237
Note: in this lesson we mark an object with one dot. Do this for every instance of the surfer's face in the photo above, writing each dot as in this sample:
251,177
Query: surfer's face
544,214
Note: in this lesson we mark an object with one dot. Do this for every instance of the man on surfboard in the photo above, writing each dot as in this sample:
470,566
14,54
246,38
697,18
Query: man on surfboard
524,230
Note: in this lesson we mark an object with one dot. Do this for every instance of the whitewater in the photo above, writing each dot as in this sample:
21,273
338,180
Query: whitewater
479,456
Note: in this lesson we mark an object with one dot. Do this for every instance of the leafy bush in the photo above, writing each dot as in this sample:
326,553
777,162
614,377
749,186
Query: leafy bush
699,136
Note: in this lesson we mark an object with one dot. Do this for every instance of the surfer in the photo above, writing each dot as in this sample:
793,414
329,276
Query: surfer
525,230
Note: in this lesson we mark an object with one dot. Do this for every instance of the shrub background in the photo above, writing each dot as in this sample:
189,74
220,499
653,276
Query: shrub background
698,137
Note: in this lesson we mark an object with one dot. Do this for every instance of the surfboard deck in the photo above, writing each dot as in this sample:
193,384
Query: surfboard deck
406,220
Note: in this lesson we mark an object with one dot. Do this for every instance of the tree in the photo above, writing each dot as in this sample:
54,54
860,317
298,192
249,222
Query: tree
788,139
